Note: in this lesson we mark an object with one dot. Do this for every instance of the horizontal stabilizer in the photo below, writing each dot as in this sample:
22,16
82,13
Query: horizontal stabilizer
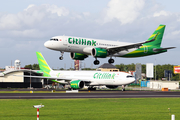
159,49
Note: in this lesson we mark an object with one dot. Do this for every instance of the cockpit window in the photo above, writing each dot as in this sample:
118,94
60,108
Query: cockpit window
53,39
129,76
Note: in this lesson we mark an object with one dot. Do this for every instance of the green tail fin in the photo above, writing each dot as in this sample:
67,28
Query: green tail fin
157,35
43,65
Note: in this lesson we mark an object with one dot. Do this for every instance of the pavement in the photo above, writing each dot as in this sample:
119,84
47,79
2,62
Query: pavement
94,94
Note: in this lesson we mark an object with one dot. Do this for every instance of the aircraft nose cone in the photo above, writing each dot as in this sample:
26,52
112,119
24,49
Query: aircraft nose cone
46,44
132,80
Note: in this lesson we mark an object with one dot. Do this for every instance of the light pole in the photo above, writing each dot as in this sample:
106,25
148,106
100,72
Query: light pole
155,68
30,78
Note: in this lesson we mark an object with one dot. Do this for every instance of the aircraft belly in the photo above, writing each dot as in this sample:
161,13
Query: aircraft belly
75,49
109,82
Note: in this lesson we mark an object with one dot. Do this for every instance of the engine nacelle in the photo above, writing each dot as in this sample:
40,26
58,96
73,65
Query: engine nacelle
77,84
111,86
78,56
99,52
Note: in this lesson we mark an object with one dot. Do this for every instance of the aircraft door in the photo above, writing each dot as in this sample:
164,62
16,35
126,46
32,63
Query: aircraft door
117,79
145,49
65,41
67,47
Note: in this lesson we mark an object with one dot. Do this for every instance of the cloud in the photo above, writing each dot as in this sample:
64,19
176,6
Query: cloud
126,11
59,11
33,20
161,13
176,32
30,17
30,6
30,33
123,20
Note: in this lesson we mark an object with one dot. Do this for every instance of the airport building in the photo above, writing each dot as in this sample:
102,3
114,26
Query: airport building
164,84
107,67
14,77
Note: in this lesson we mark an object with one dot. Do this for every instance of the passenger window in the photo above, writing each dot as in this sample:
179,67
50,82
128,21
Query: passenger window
129,76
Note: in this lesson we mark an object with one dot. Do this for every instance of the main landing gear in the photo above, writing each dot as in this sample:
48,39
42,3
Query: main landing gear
61,57
91,88
111,61
96,62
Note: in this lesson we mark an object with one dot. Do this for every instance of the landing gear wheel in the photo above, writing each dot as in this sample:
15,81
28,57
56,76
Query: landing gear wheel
111,61
62,53
123,89
96,62
61,57
91,88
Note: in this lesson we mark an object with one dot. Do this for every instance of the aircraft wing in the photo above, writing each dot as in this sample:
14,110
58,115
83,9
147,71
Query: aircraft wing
52,78
116,49
57,79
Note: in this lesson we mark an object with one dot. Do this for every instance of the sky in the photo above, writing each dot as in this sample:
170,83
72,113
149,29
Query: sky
26,25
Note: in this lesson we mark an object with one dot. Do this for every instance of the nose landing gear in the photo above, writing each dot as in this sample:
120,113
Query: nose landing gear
61,57
123,88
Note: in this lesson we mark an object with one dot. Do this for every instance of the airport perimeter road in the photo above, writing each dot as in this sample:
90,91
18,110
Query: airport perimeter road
126,94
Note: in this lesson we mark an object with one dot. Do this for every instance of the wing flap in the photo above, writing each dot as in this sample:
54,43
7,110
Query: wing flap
114,50
160,49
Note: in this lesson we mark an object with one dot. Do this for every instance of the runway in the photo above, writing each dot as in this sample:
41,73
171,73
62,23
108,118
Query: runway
116,94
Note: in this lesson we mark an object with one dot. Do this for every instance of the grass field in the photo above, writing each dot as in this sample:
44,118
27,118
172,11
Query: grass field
91,109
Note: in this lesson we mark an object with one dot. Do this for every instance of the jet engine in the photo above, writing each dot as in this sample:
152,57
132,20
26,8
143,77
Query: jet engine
99,52
78,56
77,84
111,86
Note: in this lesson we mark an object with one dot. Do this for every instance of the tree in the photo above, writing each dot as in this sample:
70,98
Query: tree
32,67
159,70
28,66
35,67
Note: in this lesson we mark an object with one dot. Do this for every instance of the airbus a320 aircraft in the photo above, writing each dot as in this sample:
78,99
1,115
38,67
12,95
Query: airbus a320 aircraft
80,48
79,79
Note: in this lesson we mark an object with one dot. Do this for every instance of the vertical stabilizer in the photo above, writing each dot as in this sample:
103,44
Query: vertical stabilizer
157,35
43,65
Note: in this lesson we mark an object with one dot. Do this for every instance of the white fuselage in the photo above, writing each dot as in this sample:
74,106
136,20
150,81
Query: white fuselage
96,78
83,45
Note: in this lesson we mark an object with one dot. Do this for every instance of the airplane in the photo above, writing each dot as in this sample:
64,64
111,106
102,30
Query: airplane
79,79
80,47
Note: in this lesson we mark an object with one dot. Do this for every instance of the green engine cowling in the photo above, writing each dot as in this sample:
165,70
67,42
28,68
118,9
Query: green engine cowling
77,84
78,56
99,52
